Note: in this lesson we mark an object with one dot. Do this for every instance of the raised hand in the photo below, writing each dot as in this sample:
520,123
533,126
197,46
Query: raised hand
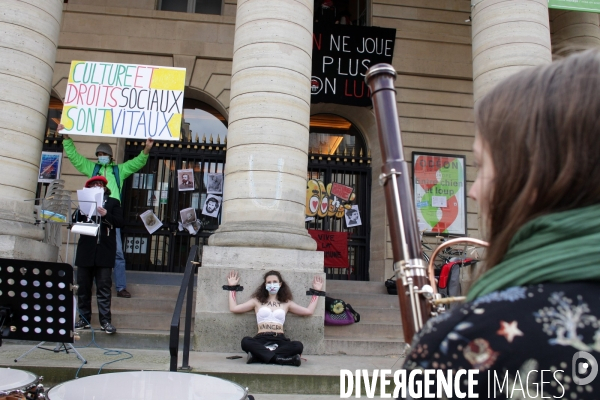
149,144
233,278
317,283
61,127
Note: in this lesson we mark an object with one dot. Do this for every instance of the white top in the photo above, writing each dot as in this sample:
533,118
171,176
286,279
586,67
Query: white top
265,314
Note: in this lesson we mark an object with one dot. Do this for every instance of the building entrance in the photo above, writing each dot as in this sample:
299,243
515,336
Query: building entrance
338,155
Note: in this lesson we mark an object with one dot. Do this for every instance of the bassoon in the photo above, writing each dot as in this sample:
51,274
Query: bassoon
417,292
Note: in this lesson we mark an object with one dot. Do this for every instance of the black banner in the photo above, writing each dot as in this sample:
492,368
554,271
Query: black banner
341,56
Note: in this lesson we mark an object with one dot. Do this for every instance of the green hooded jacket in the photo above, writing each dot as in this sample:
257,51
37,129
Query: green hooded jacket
86,167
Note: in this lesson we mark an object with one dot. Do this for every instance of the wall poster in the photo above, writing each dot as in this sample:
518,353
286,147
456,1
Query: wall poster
440,193
341,56
49,166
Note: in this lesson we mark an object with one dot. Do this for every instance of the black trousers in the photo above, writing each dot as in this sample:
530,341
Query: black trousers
85,279
257,346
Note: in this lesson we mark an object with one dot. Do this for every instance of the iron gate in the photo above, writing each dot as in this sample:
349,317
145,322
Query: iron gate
354,172
155,188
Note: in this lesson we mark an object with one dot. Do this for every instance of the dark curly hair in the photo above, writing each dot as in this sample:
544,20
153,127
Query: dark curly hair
284,295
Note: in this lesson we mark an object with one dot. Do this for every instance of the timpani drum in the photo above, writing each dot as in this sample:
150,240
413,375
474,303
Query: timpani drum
148,385
17,384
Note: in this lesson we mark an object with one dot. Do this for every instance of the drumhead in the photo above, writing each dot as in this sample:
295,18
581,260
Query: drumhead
148,385
14,379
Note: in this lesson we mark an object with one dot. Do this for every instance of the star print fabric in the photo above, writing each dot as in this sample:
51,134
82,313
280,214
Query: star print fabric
518,338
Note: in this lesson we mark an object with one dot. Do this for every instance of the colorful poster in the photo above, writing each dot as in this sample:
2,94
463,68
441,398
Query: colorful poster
327,201
124,100
334,245
439,190
576,5
49,166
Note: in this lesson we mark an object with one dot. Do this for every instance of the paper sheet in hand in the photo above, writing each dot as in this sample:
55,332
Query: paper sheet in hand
89,199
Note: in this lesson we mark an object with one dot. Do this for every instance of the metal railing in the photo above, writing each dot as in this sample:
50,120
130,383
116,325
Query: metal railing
187,284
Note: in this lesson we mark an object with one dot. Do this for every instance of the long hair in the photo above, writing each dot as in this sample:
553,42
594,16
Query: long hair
542,128
284,294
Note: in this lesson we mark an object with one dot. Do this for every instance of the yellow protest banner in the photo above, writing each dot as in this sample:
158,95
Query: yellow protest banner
124,100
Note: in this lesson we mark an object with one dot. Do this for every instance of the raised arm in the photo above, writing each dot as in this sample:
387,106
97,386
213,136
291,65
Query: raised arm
310,310
81,164
234,279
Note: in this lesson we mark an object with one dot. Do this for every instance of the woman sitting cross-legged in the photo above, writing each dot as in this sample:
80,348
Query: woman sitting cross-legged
271,301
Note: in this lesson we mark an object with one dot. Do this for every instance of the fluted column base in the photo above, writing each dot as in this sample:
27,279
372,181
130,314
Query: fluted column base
262,234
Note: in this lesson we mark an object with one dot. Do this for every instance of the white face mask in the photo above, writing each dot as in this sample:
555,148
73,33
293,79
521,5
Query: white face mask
103,159
272,288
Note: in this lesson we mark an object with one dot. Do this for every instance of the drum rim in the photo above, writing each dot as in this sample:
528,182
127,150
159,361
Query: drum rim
56,387
25,387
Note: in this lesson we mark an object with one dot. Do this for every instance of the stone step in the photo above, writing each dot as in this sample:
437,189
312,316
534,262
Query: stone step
362,330
139,290
318,375
358,300
365,347
379,315
148,291
355,287
142,305
128,338
142,321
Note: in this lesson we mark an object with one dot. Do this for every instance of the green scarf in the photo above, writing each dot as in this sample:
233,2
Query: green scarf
560,247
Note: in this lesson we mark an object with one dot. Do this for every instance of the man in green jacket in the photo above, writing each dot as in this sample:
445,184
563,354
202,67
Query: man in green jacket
106,163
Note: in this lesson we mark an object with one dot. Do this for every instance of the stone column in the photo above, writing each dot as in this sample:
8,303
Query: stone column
573,30
265,177
267,139
507,37
29,38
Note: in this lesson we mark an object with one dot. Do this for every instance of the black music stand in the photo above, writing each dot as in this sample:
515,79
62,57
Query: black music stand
38,303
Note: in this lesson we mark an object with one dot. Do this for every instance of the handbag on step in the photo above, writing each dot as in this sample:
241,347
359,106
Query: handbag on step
338,312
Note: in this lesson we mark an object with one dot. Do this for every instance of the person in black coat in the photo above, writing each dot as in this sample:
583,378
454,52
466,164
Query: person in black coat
95,259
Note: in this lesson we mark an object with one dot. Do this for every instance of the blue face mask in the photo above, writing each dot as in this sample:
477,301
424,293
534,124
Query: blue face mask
272,288
103,159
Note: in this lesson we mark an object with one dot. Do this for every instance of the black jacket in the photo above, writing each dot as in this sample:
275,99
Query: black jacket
90,252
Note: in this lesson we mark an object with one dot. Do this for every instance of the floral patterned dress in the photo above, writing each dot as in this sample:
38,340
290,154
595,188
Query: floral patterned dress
523,341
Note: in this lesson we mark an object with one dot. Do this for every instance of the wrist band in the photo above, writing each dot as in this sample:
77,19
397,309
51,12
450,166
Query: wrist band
315,292
235,288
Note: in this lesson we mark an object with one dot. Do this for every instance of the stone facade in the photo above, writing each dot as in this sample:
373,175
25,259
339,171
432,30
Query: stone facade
252,64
